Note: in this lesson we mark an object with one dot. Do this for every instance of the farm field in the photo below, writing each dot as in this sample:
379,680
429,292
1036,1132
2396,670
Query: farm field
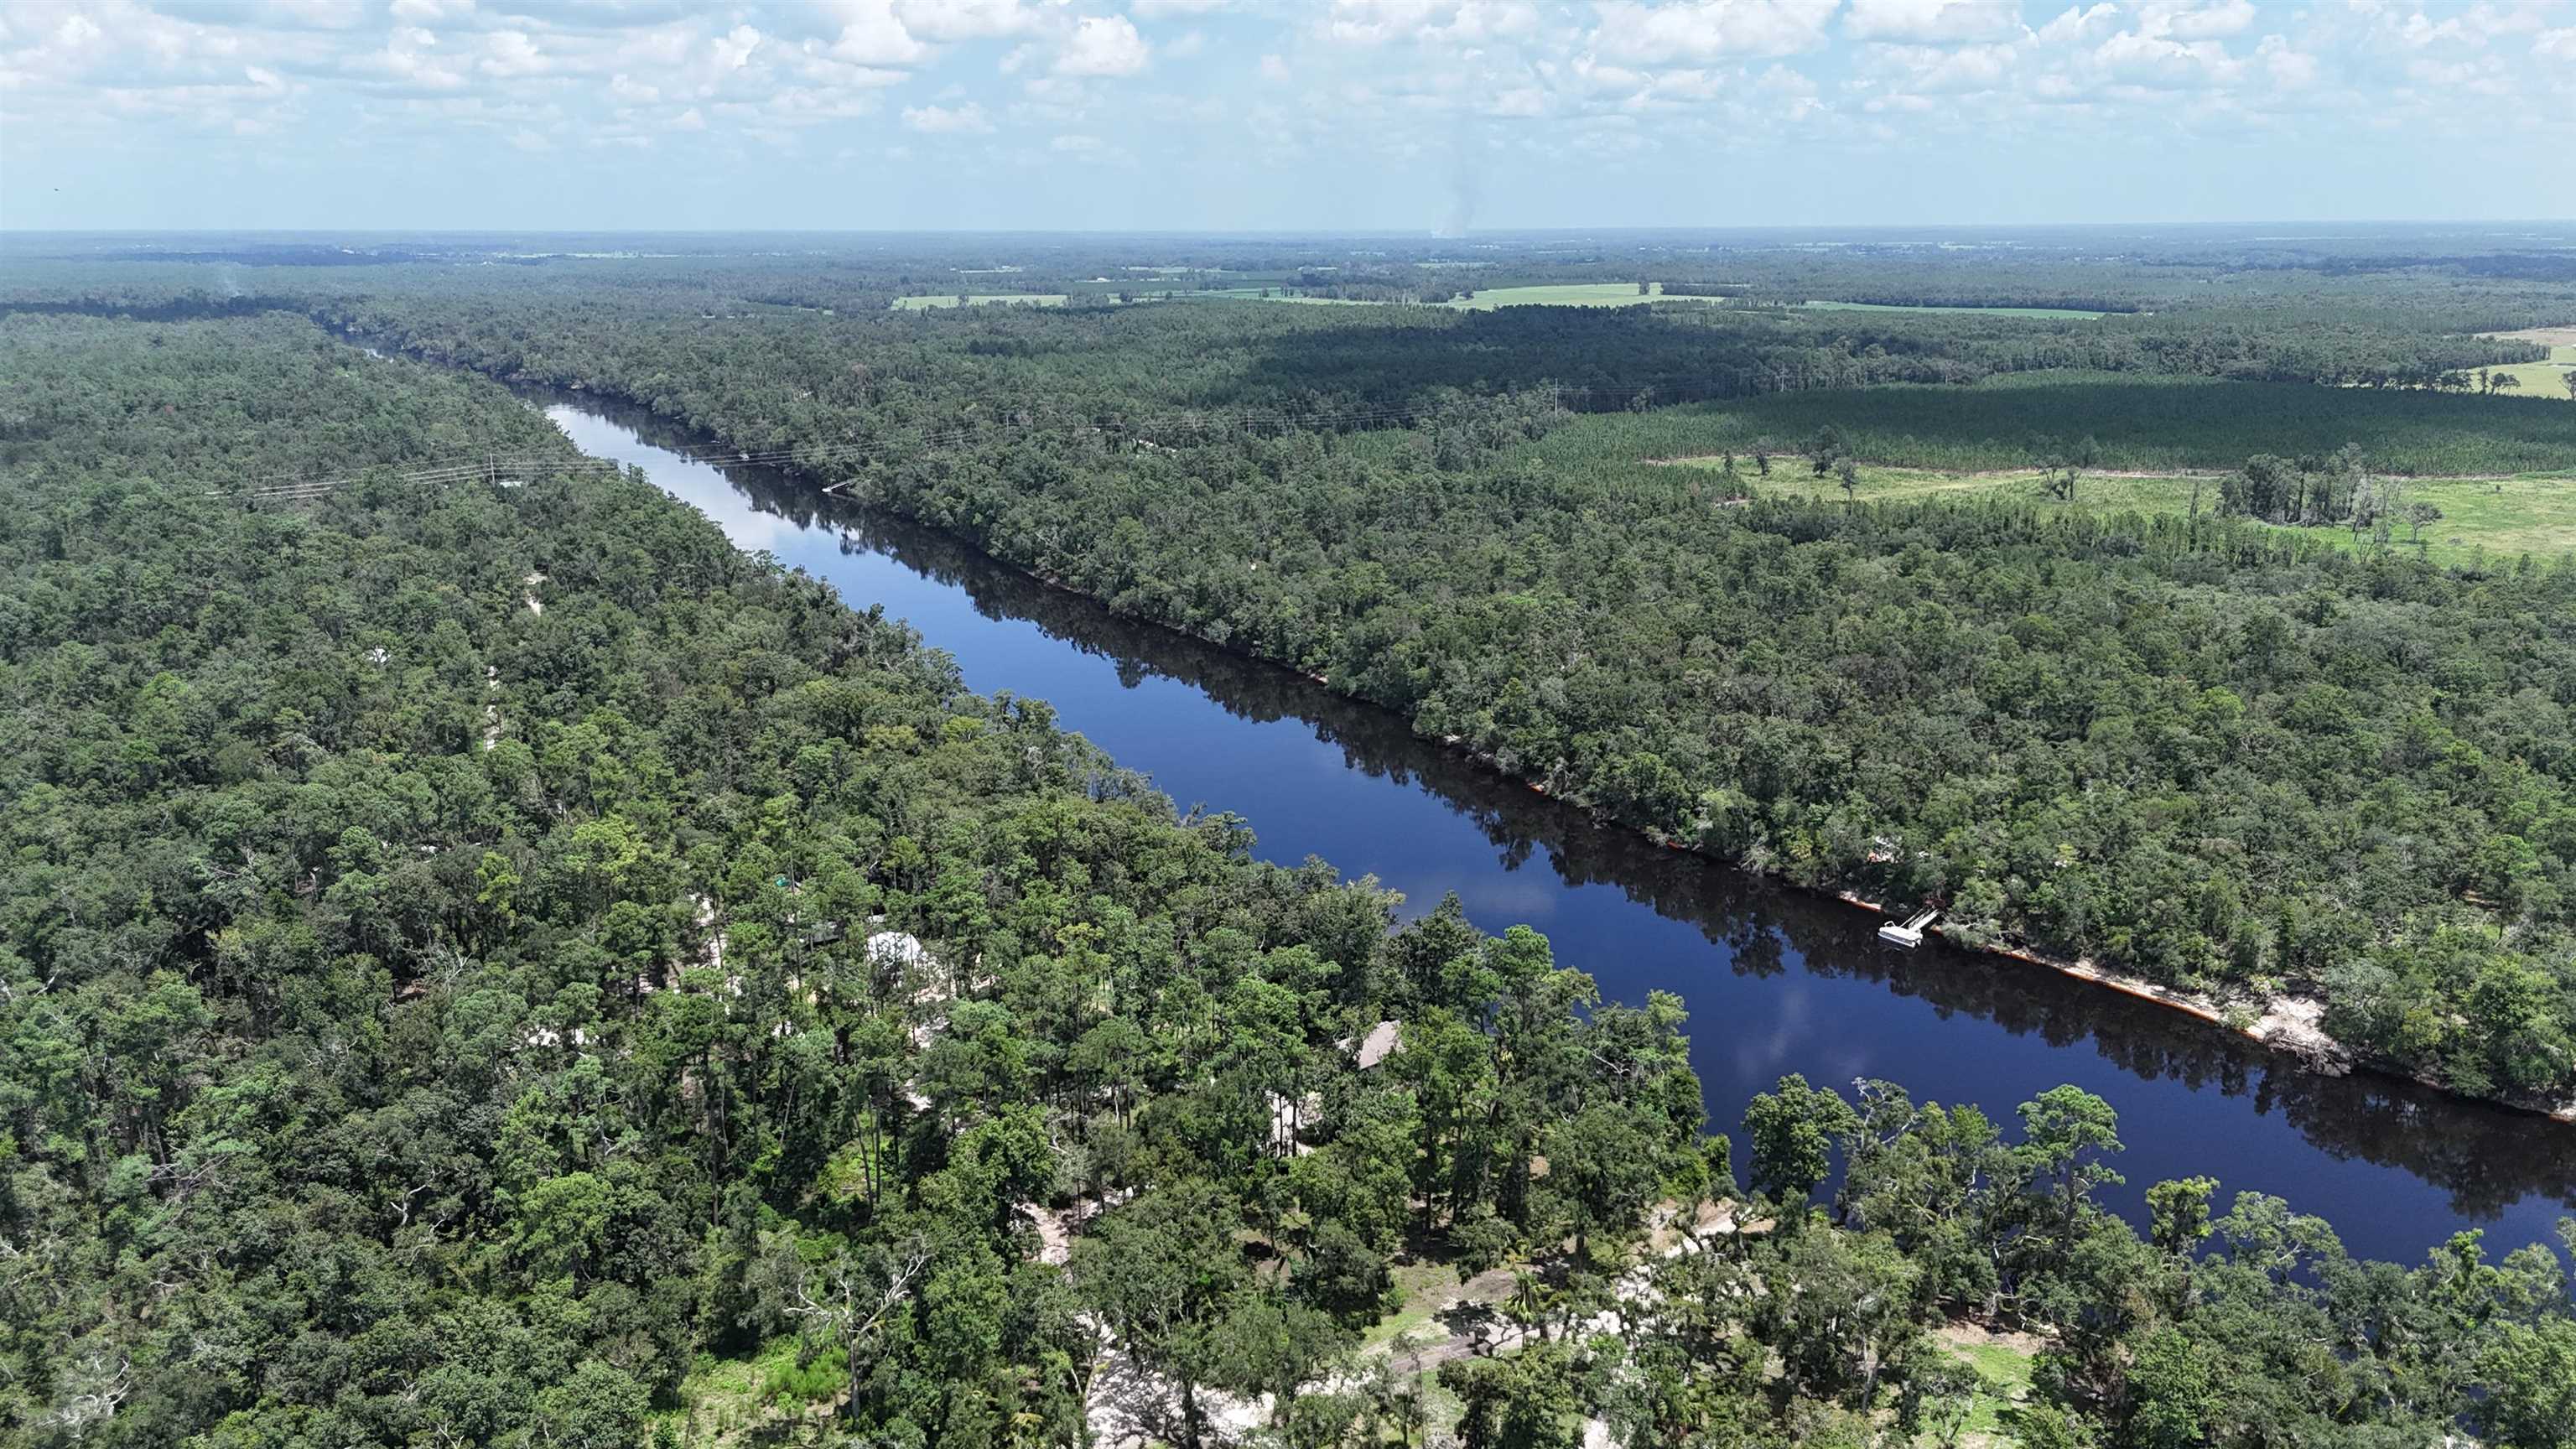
1564,294
2056,312
2544,379
981,299
2532,513
2135,423
1601,294
1625,294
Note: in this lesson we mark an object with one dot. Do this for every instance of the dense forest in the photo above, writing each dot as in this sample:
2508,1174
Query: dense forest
2234,762
487,963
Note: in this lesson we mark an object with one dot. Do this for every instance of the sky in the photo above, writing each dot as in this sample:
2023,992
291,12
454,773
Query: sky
1255,115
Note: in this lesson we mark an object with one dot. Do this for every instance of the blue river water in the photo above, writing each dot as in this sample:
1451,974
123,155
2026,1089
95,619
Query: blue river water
1775,981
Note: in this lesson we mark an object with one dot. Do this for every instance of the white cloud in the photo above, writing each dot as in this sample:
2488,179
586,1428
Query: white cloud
2422,31
2155,63
1708,29
1377,22
406,61
2213,22
2078,27
1961,68
320,14
1103,45
1286,81
733,48
510,53
872,34
2291,70
967,119
946,20
1931,20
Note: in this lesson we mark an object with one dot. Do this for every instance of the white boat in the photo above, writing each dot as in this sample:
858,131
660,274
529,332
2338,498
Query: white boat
1909,935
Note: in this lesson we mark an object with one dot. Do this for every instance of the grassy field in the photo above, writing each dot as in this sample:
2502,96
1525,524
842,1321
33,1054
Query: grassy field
1568,294
981,299
763,1399
1981,311
1571,294
1621,294
2532,513
2003,1379
2137,423
2544,379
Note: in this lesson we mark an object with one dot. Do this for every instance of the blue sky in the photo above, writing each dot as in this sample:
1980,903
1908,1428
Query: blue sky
1264,114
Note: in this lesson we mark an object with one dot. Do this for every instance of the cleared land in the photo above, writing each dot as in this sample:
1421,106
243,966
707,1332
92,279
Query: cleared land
1981,311
2136,424
1568,294
1619,294
1604,294
2543,379
2003,1366
981,299
2554,336
2532,513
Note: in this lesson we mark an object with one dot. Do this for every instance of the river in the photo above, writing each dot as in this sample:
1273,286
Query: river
1776,981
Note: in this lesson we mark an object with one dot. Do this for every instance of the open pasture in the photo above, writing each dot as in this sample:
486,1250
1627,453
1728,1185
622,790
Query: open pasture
2544,379
2050,312
2532,513
1568,294
2135,423
980,299
1561,294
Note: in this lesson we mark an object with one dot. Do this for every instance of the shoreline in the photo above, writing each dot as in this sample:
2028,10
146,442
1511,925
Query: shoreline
2288,1026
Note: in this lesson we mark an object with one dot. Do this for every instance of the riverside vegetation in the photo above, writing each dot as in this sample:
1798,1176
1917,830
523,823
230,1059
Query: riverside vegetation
458,982
2229,758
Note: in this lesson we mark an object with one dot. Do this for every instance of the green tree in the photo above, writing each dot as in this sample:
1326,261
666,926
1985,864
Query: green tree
1791,1131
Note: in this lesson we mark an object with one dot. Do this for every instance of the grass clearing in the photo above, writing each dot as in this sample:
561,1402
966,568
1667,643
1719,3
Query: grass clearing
2056,312
1562,294
1428,1288
1882,483
2547,378
730,1401
2003,1374
2532,513
2544,379
980,299
2553,336
1569,294
2137,423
